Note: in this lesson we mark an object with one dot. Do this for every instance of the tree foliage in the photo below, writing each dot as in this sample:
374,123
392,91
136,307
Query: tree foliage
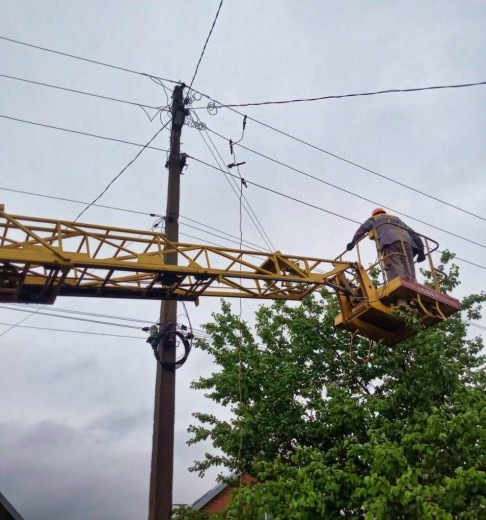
402,436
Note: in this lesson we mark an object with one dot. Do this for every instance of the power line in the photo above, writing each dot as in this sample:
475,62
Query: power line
122,171
320,180
215,235
125,210
341,158
248,209
124,69
190,236
259,247
476,325
57,87
340,96
86,134
205,44
297,139
63,199
12,325
349,192
82,313
308,204
158,149
40,312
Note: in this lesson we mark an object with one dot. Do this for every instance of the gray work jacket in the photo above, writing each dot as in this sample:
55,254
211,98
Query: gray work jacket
389,229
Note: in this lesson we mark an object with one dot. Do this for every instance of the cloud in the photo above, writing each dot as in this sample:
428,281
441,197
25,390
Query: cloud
53,471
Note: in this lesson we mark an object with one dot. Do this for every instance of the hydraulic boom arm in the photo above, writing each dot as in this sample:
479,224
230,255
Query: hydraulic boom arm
41,259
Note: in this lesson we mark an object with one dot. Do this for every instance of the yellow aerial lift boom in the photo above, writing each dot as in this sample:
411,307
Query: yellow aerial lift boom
41,259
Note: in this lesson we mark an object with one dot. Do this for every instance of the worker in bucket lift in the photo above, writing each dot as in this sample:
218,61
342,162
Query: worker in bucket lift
397,243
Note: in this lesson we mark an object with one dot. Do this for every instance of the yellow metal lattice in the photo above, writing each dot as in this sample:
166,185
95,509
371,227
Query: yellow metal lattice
41,259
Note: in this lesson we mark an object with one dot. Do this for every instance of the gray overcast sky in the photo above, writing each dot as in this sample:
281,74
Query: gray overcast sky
76,411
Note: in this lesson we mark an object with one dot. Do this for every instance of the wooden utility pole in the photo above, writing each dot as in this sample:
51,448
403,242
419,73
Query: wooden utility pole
160,501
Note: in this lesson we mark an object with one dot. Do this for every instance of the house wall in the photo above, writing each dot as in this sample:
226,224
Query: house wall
222,500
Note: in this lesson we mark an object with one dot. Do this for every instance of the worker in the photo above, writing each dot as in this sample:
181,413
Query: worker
396,242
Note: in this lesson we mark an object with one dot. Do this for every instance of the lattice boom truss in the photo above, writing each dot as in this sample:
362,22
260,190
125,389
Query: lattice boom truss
41,259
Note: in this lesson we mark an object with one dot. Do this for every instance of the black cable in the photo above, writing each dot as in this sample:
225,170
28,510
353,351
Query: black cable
81,133
82,313
38,311
124,69
122,171
141,105
33,194
341,158
205,44
352,163
214,234
475,325
125,210
67,330
276,192
246,242
253,217
190,236
340,96
159,149
276,161
246,204
85,313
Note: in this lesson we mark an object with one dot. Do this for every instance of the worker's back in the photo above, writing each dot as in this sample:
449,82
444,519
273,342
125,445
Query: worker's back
390,229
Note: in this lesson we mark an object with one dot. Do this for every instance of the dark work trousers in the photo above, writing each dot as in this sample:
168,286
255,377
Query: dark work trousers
398,261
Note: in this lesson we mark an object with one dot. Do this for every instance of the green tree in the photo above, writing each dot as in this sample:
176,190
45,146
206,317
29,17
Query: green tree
402,436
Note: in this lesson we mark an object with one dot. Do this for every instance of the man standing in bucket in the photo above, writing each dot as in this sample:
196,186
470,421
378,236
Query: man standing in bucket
397,243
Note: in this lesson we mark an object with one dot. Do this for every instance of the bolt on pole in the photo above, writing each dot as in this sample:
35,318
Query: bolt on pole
162,469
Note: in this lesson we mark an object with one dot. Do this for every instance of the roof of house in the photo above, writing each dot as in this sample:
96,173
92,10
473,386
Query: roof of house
7,510
207,497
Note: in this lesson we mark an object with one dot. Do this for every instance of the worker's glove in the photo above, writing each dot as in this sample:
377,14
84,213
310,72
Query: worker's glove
350,246
420,256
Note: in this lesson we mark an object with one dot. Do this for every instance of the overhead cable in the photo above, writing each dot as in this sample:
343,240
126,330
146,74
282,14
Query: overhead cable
51,127
74,91
16,325
347,161
13,325
34,194
259,247
85,313
308,204
236,177
81,313
121,172
41,312
124,69
205,44
163,150
134,144
235,187
126,210
349,192
297,139
340,96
